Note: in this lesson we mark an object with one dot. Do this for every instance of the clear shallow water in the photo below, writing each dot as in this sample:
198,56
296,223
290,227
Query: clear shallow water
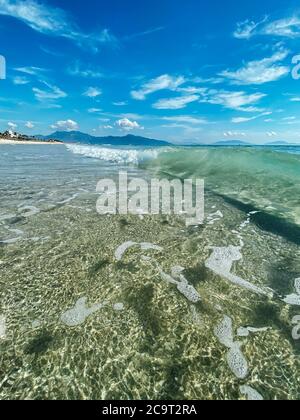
77,322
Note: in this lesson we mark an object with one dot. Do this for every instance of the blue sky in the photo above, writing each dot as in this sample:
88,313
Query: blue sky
193,71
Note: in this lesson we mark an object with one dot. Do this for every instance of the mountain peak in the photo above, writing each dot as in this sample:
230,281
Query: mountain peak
128,140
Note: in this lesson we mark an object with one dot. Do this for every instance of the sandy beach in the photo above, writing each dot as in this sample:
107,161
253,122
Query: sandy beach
14,142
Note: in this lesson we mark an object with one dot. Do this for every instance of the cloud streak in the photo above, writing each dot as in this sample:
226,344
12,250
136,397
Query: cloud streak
178,102
260,71
286,28
53,21
164,82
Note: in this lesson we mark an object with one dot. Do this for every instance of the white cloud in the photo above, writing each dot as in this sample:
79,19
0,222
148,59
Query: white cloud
52,92
164,82
80,70
68,125
186,119
246,29
12,125
20,81
295,99
234,134
289,119
240,101
29,125
239,120
121,103
272,134
94,110
107,127
52,21
192,90
260,71
92,92
175,103
144,33
32,71
285,28
289,27
127,125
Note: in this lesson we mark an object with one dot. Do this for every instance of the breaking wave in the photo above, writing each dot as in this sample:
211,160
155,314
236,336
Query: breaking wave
119,156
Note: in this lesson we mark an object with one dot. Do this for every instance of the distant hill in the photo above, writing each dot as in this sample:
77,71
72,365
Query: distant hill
79,137
232,143
280,143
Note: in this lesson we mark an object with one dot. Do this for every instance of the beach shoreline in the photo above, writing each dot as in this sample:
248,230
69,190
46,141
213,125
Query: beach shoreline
14,142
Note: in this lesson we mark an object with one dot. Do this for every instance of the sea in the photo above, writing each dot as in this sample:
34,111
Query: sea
143,306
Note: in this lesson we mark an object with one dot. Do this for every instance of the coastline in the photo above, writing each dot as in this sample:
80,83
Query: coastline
14,142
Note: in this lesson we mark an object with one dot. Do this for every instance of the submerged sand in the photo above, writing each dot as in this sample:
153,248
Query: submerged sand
84,321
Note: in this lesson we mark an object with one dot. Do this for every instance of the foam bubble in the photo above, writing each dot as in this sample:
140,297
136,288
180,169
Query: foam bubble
245,331
224,332
123,248
189,292
145,246
251,393
221,261
118,306
2,327
297,286
215,217
183,286
79,313
237,362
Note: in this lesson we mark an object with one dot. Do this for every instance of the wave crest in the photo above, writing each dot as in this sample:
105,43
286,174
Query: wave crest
114,155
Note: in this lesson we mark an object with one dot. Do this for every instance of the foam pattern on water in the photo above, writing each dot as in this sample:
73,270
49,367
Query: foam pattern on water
221,261
235,358
2,327
224,332
237,362
145,246
183,286
250,393
79,313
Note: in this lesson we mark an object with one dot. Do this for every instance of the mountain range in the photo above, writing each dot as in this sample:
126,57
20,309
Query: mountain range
132,140
79,137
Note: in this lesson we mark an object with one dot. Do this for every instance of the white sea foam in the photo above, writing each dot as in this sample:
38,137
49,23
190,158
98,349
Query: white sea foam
237,362
235,358
69,199
2,327
80,312
224,332
118,307
215,217
297,286
251,393
245,331
28,211
183,286
221,261
114,155
13,240
145,246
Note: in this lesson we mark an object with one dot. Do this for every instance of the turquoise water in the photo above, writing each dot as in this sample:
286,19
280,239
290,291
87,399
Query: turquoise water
115,307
